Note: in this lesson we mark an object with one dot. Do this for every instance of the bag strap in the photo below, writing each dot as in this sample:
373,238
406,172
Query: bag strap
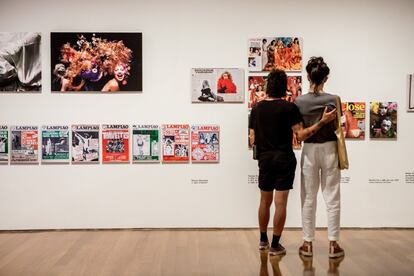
338,112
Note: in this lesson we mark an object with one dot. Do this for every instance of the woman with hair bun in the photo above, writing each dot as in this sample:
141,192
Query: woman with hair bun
319,162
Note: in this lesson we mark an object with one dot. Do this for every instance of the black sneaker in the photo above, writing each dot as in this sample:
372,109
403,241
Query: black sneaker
263,245
279,250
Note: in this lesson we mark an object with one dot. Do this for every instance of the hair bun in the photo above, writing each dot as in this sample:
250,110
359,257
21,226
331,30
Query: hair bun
317,70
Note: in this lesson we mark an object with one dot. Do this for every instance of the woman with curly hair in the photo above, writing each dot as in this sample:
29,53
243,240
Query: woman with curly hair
225,83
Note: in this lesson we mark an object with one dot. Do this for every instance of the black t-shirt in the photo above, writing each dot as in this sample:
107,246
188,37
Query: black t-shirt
272,122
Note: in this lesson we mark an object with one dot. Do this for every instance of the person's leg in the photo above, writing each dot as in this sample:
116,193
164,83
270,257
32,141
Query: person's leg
281,198
279,219
309,191
266,199
330,185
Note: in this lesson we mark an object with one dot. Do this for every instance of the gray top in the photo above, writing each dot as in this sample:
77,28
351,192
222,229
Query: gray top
311,106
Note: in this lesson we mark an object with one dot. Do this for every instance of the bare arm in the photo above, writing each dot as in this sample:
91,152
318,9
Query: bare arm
251,137
304,133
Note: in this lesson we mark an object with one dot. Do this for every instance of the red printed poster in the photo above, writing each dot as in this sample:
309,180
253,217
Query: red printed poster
205,143
175,143
115,143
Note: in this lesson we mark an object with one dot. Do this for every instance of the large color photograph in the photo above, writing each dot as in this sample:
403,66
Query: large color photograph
268,53
106,62
20,62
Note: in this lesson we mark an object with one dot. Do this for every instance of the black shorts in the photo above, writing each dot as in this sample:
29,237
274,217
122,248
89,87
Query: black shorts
276,170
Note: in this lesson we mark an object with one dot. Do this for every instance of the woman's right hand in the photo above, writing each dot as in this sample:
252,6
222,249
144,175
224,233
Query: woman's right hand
328,116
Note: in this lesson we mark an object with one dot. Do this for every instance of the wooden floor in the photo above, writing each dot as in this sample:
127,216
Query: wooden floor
199,252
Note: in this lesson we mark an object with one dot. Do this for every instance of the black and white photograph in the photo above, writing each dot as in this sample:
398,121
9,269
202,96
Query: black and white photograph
20,62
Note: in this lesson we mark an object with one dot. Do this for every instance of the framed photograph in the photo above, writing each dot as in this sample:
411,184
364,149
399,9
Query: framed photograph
96,62
20,62
410,93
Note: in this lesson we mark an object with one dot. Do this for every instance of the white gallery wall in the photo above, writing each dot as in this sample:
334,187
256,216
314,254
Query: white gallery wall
369,46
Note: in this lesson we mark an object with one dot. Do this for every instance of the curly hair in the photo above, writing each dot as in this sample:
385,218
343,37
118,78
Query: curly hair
276,84
98,53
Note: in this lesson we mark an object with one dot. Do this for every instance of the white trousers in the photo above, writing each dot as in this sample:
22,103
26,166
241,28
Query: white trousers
319,165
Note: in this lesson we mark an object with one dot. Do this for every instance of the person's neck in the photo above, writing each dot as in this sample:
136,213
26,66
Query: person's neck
269,98
316,89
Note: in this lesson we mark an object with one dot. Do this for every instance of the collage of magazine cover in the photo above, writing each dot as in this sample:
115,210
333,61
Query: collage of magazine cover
55,144
85,143
25,144
145,143
115,144
4,144
175,143
205,143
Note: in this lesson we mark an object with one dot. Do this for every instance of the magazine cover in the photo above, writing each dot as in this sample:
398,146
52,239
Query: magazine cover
20,62
353,120
410,93
24,146
255,54
268,53
85,144
217,85
106,62
175,143
115,144
383,120
257,89
205,143
4,144
55,144
145,143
